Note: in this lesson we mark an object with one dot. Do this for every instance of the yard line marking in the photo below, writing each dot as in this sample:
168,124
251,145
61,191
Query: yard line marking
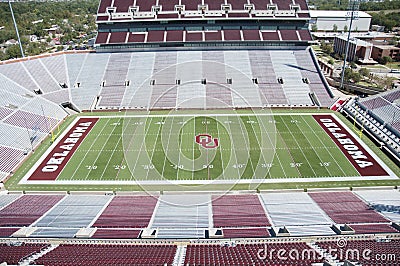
290,154
139,151
234,149
248,148
315,174
84,157
108,162
222,160
276,154
327,148
259,148
155,143
166,148
313,150
98,155
179,151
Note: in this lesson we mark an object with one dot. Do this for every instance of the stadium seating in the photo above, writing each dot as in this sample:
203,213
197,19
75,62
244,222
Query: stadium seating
17,73
182,216
10,158
345,207
55,65
19,138
372,228
114,81
27,209
53,233
102,81
74,211
377,121
42,77
391,96
246,254
74,63
31,121
286,209
7,199
86,86
387,202
60,96
4,112
12,94
7,231
25,118
109,254
13,254
385,106
235,210
140,69
313,76
195,216
127,212
366,252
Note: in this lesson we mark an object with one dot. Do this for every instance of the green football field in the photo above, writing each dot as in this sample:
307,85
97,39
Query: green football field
226,147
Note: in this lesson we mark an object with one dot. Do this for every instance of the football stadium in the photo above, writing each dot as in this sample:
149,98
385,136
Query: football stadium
197,132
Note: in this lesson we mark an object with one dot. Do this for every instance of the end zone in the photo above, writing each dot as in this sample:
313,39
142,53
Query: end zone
55,161
354,151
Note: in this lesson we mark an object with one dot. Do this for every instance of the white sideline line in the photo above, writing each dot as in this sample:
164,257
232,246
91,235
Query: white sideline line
204,114
211,182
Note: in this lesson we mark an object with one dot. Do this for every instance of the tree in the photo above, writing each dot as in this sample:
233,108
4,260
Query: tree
384,60
327,48
331,61
364,72
347,74
314,27
345,29
350,75
13,51
356,77
335,28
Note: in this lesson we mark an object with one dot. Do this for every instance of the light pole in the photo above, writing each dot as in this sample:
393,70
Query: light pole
16,29
353,6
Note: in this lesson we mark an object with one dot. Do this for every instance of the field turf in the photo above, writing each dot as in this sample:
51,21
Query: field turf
165,147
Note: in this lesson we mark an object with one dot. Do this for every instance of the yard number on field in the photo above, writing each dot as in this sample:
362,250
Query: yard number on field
296,164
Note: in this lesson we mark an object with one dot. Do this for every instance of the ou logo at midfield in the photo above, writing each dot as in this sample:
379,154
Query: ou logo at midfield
207,141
